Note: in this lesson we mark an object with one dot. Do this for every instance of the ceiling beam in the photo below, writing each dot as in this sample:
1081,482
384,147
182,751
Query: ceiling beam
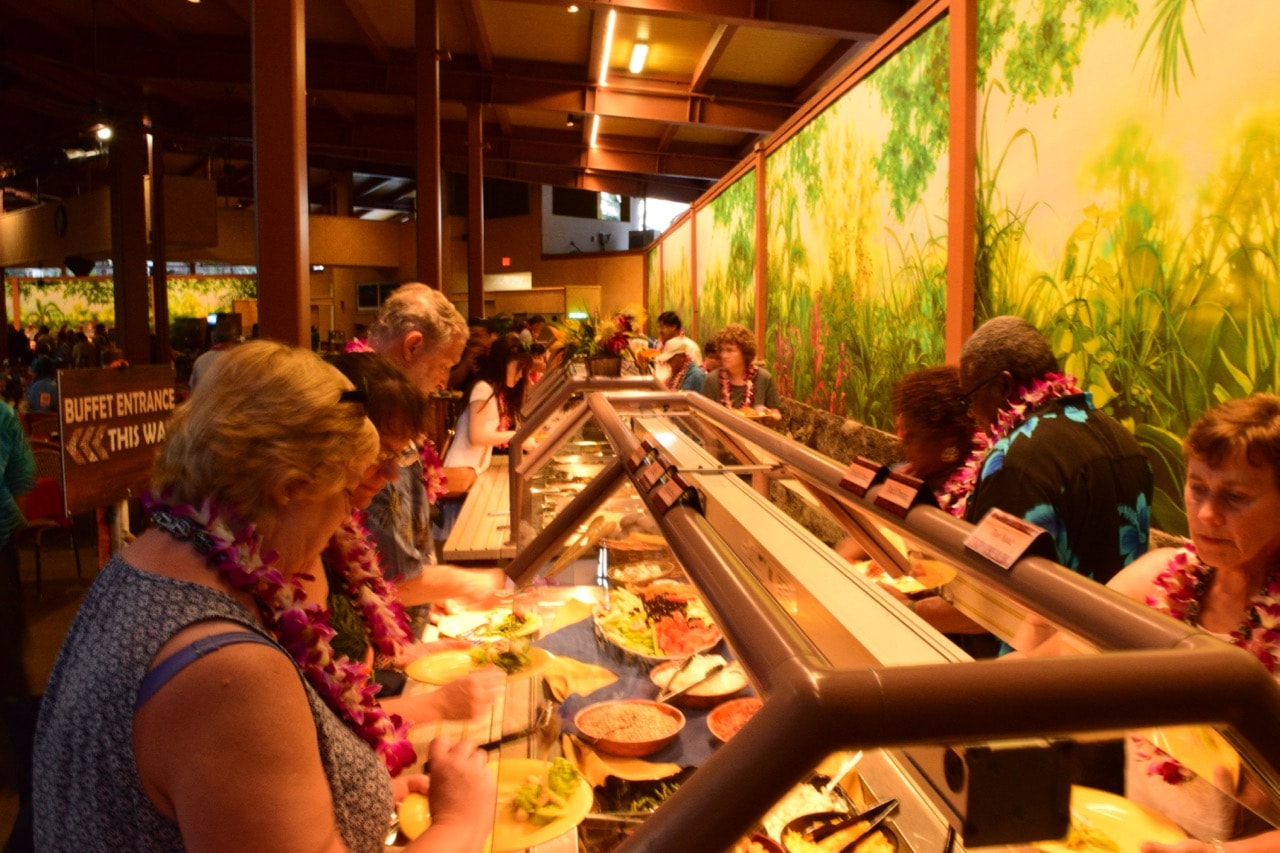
473,19
41,16
863,19
556,87
368,29
240,8
334,103
812,82
150,23
716,46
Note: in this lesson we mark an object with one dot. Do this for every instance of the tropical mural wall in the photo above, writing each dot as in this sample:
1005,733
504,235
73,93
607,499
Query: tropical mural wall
725,259
79,302
677,272
653,289
1127,202
856,256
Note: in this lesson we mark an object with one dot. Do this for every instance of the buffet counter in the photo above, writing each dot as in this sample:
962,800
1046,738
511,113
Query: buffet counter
977,753
482,531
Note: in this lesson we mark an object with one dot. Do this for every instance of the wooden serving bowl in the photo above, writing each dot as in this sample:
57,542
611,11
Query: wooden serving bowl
629,728
725,721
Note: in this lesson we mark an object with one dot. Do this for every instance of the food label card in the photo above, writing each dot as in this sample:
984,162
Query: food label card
1003,538
861,475
673,491
638,456
899,492
649,475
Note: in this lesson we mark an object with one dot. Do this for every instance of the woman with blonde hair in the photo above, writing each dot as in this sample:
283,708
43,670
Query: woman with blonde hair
196,703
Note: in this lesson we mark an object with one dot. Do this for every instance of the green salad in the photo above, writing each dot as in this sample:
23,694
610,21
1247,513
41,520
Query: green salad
654,624
511,656
541,800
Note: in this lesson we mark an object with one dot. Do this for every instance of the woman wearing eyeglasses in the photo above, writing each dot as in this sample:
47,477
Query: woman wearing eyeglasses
398,409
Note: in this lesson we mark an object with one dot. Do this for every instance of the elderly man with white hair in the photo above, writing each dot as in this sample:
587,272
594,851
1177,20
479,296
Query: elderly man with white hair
419,329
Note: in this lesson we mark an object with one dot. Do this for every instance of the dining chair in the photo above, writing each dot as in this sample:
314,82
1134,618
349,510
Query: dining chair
45,508
43,425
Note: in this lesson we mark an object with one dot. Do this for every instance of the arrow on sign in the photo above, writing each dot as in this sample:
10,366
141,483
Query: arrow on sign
85,445
99,433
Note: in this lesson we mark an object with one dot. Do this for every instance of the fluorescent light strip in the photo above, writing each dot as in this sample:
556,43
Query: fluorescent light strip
610,23
595,129
639,53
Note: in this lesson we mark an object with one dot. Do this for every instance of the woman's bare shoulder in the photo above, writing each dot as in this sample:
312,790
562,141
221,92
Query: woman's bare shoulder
1137,579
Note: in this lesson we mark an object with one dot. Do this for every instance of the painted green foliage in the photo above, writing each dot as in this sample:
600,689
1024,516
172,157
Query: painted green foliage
726,286
677,272
1157,280
653,299
79,301
856,260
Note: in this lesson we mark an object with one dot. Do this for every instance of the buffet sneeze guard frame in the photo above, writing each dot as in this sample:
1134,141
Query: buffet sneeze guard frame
822,694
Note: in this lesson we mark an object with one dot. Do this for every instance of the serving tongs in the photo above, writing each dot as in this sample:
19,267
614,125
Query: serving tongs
667,695
816,827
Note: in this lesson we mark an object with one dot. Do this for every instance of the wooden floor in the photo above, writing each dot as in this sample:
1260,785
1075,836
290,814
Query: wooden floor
47,622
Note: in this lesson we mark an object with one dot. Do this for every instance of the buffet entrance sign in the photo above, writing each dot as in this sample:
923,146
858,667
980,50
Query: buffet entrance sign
111,422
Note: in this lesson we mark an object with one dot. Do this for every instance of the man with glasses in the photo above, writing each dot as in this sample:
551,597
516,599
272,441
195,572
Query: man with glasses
1055,461
420,330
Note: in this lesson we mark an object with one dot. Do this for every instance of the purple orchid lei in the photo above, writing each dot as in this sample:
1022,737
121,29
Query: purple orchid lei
959,487
233,549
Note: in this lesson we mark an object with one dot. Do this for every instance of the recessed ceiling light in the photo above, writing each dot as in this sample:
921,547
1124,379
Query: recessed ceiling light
573,7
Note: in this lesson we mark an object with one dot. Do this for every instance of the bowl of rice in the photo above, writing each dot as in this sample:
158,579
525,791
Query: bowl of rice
629,728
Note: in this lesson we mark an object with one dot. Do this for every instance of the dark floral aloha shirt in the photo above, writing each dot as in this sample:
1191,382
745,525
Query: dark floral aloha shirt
1080,475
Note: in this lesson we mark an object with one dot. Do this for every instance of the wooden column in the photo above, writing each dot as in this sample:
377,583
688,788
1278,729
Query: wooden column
127,171
762,249
475,210
961,207
430,232
280,171
159,257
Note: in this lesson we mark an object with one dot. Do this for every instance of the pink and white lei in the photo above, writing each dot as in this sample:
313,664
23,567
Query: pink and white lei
1178,592
960,485
234,550
1181,586
748,396
433,478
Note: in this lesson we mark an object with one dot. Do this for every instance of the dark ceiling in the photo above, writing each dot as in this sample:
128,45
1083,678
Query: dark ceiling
721,76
